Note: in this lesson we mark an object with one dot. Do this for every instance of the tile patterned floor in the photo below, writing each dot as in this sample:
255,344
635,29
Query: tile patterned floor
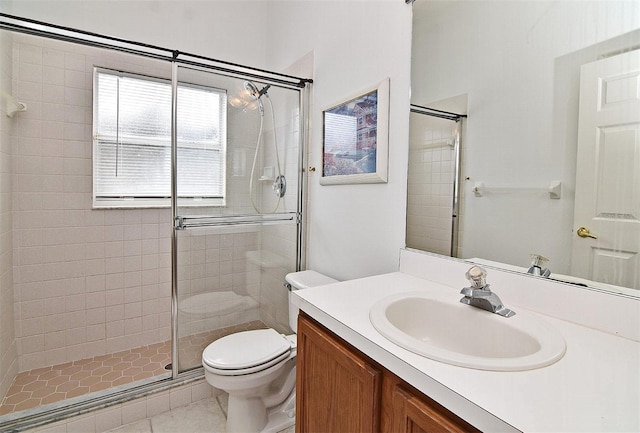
56,383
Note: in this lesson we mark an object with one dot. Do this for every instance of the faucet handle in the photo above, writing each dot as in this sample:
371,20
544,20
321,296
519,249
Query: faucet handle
477,276
538,260
537,266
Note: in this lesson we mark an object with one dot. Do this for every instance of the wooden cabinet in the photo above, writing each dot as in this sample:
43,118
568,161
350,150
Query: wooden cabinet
338,390
341,390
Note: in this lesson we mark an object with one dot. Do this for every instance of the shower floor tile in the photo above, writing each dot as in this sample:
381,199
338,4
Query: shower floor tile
47,385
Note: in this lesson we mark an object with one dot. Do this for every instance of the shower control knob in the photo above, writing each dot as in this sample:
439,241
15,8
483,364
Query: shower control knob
280,186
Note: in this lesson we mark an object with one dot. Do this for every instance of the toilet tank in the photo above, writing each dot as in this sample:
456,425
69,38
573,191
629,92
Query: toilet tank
300,281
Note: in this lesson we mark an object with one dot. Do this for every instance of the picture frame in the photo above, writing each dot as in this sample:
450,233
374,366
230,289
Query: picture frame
355,139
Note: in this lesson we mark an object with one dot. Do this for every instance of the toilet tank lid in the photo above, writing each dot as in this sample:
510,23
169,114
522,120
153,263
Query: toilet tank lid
307,279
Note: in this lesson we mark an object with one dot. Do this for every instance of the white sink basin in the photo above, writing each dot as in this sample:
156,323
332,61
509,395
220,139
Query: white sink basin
459,334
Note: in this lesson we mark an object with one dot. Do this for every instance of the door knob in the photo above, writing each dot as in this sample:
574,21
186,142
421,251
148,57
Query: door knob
583,232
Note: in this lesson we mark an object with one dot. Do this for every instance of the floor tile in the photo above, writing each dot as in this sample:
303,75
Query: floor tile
204,416
143,426
199,417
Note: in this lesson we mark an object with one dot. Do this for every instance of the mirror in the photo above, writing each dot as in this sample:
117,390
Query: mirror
532,142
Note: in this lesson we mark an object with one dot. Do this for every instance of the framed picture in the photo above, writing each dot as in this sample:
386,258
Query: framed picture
356,139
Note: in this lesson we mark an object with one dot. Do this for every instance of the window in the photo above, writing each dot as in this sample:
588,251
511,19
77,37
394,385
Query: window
132,142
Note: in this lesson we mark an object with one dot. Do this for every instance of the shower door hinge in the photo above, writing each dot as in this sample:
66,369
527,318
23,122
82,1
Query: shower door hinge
178,223
298,218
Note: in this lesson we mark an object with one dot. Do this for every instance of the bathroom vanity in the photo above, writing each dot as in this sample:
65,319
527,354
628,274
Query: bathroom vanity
352,378
365,396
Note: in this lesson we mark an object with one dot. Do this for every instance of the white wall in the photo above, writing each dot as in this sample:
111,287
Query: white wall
354,230
504,55
223,29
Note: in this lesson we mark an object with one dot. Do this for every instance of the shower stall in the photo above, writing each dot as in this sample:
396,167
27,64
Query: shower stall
151,202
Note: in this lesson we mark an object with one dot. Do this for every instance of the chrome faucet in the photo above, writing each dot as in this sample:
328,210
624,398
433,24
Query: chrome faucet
480,296
537,266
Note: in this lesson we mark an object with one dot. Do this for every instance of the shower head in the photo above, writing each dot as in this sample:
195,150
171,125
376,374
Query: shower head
253,91
249,97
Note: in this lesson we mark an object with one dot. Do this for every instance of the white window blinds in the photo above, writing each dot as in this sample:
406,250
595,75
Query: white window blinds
132,142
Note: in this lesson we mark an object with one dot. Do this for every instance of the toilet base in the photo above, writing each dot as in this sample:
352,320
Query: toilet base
246,414
261,420
283,416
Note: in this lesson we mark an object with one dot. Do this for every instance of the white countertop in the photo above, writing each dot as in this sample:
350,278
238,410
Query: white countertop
595,387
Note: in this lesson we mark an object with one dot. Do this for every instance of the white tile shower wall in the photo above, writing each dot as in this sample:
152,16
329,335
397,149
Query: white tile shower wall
8,351
86,281
430,190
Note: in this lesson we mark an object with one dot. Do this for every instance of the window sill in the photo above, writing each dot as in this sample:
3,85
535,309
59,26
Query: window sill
155,203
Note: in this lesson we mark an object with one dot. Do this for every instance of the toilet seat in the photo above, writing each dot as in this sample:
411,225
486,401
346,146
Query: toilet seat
246,352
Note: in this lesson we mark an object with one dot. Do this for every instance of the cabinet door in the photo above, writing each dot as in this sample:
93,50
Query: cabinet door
413,413
338,390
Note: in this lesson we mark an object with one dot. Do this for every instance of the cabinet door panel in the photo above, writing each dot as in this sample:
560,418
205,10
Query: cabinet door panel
338,390
422,415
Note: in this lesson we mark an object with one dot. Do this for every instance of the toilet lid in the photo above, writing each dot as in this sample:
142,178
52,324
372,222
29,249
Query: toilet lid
246,349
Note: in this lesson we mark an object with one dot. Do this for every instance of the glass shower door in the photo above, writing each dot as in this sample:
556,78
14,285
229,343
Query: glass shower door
236,226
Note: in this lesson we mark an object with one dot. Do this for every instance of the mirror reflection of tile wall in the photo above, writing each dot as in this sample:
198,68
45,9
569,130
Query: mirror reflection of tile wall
430,189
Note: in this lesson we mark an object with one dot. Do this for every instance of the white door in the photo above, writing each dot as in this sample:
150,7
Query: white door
608,173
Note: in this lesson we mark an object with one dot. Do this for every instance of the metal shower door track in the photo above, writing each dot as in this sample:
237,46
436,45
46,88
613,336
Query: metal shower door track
82,37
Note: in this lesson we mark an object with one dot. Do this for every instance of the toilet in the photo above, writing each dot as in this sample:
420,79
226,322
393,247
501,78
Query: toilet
258,369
